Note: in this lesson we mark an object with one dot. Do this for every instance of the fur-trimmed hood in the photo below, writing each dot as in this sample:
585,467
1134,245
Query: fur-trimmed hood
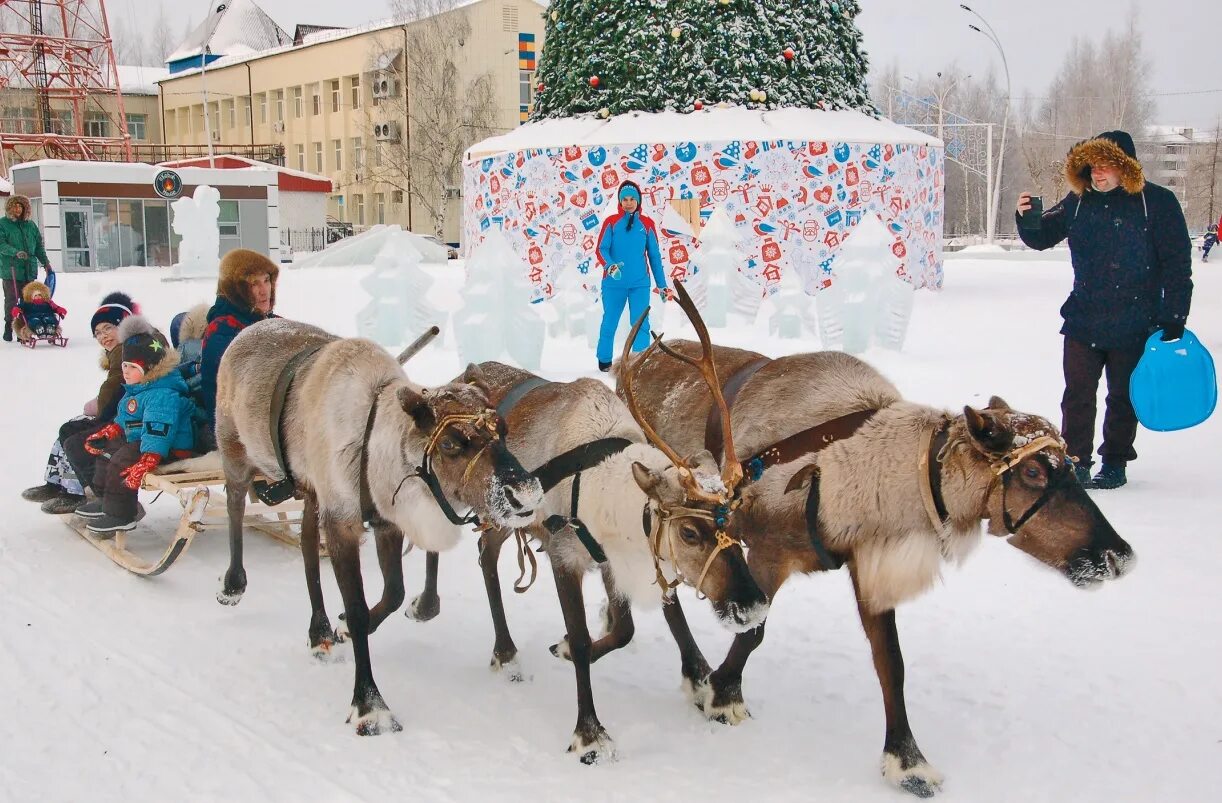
1109,150
237,268
193,323
27,292
135,326
15,199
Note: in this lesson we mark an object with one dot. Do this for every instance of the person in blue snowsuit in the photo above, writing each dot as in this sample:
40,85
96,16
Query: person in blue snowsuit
628,253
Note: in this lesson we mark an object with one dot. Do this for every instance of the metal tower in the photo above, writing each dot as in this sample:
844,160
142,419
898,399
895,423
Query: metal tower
59,82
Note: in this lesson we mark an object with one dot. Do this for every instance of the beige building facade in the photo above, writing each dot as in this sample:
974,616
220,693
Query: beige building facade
338,103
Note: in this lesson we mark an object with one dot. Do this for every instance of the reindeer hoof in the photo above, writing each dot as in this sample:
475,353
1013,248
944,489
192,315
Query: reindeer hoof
509,669
324,651
920,779
423,608
593,750
561,650
374,722
734,713
698,692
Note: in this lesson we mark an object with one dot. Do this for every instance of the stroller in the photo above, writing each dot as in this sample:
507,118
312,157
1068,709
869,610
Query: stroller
36,317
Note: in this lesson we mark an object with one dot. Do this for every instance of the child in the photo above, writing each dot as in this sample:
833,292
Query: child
153,426
1211,239
39,315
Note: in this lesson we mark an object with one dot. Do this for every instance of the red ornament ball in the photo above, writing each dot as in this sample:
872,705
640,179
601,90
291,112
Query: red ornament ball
788,54
594,81
698,105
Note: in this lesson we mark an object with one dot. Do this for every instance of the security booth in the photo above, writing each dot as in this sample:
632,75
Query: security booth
103,215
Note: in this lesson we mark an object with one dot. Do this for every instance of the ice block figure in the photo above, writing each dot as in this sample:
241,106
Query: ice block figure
398,309
497,320
867,301
195,221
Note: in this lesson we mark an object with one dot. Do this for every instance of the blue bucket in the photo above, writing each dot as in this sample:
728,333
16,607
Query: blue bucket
1174,385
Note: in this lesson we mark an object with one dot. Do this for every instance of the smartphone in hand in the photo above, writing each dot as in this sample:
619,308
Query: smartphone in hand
1031,218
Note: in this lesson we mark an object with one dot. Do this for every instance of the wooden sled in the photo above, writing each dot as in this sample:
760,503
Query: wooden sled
195,491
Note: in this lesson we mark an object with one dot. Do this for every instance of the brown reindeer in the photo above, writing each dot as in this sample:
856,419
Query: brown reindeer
645,516
361,443
893,498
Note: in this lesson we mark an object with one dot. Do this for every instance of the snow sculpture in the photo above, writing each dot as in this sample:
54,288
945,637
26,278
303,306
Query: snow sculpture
789,307
195,221
398,310
867,302
497,321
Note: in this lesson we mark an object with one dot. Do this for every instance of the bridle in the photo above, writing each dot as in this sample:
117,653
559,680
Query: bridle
658,521
1057,478
485,421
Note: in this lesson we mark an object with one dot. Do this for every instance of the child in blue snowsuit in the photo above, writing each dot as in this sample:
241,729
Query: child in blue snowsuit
628,239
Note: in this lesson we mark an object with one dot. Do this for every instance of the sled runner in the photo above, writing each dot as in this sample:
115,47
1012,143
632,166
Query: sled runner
202,496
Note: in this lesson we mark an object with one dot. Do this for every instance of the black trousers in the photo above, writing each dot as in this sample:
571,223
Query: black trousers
72,441
117,499
1083,366
12,297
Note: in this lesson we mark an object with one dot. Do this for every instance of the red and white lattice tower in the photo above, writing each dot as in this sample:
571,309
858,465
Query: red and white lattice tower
59,53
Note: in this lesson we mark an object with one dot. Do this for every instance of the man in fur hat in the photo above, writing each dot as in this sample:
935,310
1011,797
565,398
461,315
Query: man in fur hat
245,294
21,251
1132,263
154,424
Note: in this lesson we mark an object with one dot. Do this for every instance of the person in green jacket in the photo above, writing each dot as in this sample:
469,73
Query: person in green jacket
21,250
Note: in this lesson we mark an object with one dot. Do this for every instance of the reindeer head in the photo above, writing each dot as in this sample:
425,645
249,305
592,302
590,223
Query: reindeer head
691,502
465,451
1035,498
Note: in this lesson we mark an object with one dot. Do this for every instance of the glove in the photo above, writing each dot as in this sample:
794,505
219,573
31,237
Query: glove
134,474
104,434
16,312
666,293
1173,331
22,255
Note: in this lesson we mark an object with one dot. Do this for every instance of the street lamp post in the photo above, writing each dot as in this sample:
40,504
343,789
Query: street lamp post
995,192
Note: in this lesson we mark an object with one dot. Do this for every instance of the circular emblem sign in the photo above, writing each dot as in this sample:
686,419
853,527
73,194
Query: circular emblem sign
132,406
168,184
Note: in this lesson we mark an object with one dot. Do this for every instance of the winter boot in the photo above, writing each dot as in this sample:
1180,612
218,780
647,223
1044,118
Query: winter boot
90,510
8,332
65,503
605,367
41,493
1082,472
1109,477
106,525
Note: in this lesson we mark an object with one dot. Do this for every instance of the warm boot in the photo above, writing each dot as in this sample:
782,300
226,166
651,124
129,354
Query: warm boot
1082,472
604,366
65,503
1109,477
106,526
8,332
41,493
90,510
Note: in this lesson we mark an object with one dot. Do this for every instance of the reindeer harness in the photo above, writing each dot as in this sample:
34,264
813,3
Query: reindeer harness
273,493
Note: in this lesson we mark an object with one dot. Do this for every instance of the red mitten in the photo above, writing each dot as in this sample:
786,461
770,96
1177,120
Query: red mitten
135,473
60,311
107,432
15,312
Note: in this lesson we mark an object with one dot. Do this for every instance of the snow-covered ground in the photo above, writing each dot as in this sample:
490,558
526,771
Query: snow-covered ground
1019,686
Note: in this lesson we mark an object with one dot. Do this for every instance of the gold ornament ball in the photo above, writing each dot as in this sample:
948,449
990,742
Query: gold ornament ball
675,33
555,16
604,112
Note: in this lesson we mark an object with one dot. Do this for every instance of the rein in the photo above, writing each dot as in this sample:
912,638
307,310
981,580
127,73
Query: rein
481,421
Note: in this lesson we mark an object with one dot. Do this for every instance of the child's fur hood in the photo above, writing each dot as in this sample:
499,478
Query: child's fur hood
12,200
1103,152
237,268
193,324
139,325
27,292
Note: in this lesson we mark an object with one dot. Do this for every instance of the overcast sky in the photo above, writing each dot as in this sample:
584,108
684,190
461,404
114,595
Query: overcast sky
1183,38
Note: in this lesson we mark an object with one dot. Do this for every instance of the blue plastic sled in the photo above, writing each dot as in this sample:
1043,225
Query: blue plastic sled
1174,385
51,283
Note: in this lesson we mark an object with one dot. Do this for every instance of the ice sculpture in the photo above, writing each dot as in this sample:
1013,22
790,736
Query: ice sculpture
195,221
497,320
399,309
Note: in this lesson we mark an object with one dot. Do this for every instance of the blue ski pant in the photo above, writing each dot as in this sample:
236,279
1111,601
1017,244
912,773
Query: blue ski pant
614,298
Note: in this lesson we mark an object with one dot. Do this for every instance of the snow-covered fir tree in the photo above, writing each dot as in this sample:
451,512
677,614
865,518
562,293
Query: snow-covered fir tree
608,57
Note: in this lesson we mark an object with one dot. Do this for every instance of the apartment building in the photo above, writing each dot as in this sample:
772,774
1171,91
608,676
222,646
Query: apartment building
1188,161
337,101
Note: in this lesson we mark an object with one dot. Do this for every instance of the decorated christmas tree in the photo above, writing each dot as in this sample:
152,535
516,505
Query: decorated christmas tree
683,55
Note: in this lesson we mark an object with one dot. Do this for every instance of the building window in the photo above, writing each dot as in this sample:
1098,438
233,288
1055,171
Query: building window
262,107
137,126
298,105
379,207
525,88
96,125
354,87
335,97
227,220
339,153
316,99
358,154
301,158
231,113
214,118
377,154
246,111
279,105
318,158
171,124
396,197
358,206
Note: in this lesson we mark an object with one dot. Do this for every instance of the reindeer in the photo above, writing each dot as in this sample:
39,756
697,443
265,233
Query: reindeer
361,443
843,470
647,517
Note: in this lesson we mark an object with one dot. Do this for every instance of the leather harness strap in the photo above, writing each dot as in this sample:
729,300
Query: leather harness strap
930,466
713,440
806,442
369,511
517,392
273,493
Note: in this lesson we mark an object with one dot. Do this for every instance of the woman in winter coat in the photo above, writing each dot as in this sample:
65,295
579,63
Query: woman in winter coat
69,466
21,251
245,294
155,424
1132,264
628,252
